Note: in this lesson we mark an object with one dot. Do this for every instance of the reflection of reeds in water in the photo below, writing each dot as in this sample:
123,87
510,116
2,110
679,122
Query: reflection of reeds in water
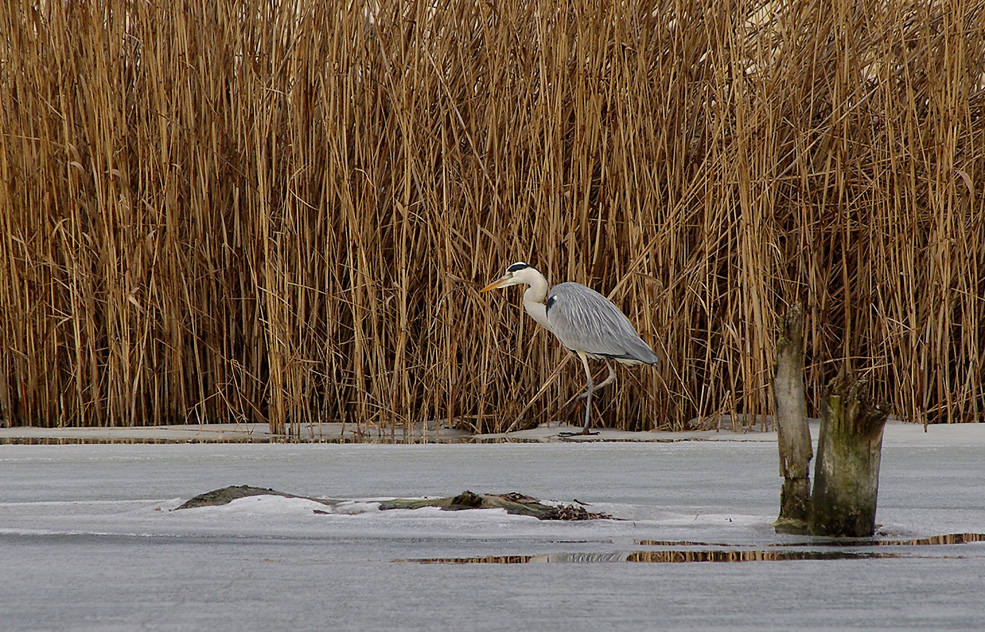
281,213
820,550
943,539
949,538
664,557
747,555
489,559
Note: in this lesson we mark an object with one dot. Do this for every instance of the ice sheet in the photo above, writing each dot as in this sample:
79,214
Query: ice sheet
89,539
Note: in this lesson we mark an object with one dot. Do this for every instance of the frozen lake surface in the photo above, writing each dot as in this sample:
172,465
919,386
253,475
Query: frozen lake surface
89,541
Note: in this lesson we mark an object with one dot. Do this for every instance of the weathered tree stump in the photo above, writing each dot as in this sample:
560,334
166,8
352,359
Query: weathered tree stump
794,435
846,475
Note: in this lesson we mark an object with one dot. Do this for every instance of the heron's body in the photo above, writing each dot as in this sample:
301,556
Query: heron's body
584,321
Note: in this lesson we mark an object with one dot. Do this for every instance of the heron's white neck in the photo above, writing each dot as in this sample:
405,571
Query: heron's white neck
533,297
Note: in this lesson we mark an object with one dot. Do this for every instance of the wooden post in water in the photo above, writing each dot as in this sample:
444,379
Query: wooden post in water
846,475
794,435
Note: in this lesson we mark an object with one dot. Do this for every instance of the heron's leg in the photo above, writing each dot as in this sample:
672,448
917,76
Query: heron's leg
588,393
608,380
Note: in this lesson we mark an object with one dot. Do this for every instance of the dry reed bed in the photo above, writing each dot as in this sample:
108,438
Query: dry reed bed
282,212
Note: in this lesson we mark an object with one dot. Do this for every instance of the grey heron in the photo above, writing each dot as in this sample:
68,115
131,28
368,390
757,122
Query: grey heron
585,322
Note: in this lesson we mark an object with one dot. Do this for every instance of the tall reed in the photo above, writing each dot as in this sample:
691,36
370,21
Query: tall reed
281,211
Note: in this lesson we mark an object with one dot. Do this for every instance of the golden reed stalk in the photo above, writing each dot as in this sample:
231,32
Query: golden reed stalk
282,211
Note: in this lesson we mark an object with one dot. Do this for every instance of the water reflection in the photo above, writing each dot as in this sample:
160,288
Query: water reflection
708,552
934,540
661,557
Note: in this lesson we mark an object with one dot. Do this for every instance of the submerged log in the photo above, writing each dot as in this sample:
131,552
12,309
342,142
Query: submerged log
513,503
794,435
846,475
226,495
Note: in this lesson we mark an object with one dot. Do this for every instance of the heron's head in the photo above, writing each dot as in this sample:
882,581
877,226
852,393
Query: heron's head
519,273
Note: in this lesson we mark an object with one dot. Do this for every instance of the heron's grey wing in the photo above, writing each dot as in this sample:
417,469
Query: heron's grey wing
584,320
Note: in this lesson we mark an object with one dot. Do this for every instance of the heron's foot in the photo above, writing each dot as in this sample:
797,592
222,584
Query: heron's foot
581,433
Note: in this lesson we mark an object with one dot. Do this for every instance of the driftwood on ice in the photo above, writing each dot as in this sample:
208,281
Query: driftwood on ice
513,503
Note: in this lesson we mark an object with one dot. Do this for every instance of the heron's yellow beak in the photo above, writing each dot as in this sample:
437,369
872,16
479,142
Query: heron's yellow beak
492,286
